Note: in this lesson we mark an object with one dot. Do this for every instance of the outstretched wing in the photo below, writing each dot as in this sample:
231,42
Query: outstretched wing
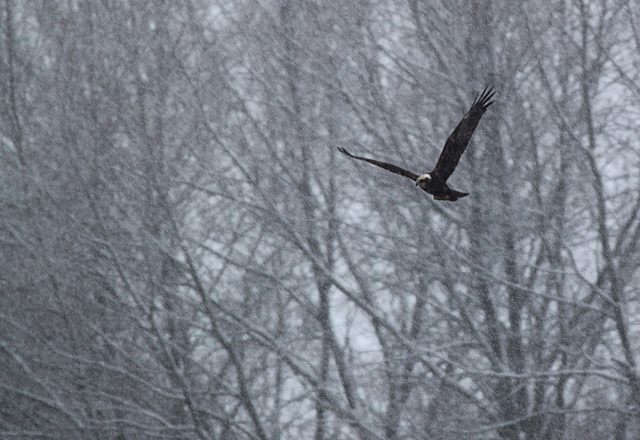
459,139
386,166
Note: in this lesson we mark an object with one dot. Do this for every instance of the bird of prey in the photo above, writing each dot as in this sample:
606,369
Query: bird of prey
435,182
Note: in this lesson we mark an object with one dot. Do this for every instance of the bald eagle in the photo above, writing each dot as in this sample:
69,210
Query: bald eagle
435,182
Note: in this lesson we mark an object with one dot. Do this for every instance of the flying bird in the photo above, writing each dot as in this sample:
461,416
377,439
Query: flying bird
435,182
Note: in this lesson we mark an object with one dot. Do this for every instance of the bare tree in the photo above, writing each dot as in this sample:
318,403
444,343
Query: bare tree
185,256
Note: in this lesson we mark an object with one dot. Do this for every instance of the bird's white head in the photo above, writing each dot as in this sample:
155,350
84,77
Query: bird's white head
423,180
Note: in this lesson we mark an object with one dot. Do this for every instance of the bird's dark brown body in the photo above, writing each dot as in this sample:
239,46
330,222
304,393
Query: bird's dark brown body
435,182
439,189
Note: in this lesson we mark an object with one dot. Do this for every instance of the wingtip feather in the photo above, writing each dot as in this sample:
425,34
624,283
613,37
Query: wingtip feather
484,101
344,151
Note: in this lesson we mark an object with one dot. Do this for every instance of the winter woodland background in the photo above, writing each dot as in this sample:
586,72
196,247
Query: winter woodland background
185,255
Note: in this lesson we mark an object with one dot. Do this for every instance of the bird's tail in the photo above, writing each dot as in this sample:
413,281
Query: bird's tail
452,195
